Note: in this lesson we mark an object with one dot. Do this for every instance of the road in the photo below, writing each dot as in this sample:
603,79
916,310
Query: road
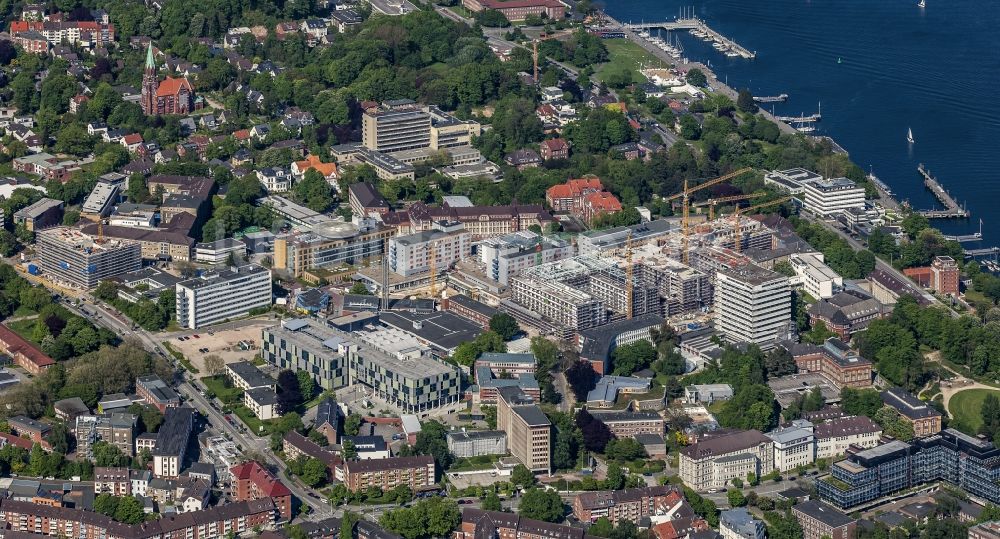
188,388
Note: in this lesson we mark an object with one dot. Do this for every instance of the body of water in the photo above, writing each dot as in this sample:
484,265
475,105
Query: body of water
878,68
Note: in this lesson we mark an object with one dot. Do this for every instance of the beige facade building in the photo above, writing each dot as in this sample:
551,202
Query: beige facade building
529,432
714,461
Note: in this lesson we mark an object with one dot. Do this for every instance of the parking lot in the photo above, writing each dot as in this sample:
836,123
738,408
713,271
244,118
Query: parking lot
224,343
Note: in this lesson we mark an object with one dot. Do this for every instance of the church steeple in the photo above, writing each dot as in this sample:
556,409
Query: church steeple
149,83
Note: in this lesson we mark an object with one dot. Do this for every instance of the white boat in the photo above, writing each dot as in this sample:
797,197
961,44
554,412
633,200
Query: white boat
718,46
909,135
922,3
732,54
805,128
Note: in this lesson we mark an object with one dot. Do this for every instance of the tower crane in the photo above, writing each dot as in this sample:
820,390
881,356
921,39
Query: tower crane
713,202
737,232
685,196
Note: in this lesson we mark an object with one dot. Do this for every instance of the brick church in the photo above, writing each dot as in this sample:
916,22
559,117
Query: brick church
171,96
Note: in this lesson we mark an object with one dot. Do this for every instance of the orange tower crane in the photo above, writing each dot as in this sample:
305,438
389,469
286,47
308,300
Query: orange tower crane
737,232
685,196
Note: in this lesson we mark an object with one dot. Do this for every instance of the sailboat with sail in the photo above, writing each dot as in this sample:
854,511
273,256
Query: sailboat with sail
909,135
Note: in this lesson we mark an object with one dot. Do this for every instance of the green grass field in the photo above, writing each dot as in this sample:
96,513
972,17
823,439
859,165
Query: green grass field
228,395
965,407
623,51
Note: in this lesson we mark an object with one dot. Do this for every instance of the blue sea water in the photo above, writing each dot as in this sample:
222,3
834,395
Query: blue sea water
935,70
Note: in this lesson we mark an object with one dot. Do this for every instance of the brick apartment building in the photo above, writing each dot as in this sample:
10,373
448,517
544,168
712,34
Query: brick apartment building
251,481
835,360
628,504
415,472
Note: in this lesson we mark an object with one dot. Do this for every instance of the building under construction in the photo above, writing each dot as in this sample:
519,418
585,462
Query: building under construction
73,258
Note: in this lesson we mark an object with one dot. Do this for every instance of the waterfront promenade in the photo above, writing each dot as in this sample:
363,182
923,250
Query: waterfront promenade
713,81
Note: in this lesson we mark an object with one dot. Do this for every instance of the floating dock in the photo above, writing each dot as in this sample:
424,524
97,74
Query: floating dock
964,238
972,253
953,210
694,23
771,98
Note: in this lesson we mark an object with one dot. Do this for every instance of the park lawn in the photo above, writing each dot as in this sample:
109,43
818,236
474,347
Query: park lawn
624,51
251,421
965,406
23,328
228,395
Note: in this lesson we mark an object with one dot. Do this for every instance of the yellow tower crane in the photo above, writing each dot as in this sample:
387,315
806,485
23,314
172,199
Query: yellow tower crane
737,232
713,202
685,196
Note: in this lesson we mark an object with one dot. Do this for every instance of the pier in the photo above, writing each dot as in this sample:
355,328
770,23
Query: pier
801,119
964,238
696,24
953,208
972,253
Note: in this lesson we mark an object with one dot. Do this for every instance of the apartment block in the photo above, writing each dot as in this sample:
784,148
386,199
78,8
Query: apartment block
738,523
116,428
224,295
529,431
76,259
715,460
247,376
752,305
479,523
252,481
559,302
395,130
417,253
820,520
237,518
415,472
172,442
113,481
629,504
506,256
329,244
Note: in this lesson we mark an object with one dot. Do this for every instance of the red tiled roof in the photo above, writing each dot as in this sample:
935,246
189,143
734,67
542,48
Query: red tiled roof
575,188
242,134
17,344
556,144
505,4
23,443
268,484
134,138
603,201
173,86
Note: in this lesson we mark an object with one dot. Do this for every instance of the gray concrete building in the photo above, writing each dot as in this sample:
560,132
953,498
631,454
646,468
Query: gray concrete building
76,259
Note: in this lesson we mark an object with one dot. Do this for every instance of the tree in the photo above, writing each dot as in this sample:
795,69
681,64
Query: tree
866,402
736,497
359,288
307,386
129,511
504,325
214,364
492,18
630,358
596,435
352,424
492,502
779,362
624,449
106,504
602,527
696,77
745,102
108,455
138,192
314,191
348,450
313,472
289,394
433,517
544,505
893,424
347,522
522,477
581,379
431,440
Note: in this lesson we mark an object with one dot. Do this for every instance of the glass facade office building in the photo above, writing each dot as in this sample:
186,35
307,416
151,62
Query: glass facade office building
967,462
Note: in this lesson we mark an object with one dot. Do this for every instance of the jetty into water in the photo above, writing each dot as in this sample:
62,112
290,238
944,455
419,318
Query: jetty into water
771,98
953,210
698,25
